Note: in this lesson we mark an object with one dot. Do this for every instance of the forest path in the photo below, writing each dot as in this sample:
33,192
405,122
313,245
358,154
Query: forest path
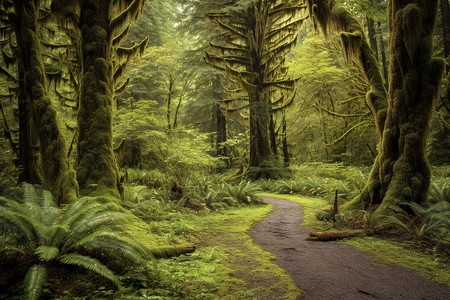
330,270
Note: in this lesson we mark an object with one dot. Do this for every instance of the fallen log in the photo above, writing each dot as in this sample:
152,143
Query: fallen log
332,235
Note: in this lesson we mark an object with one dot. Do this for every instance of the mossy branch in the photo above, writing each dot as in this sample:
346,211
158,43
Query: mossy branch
335,114
125,55
7,73
120,90
131,13
348,132
118,39
332,15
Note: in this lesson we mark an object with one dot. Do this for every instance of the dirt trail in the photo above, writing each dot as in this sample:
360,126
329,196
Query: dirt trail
328,270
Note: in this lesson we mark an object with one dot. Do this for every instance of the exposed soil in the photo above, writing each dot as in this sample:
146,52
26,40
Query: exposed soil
330,270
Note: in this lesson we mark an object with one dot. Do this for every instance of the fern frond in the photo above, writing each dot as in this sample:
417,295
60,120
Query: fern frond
91,264
34,280
21,227
100,219
116,248
46,253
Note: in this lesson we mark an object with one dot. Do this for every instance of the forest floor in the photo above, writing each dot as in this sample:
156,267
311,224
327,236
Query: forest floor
333,270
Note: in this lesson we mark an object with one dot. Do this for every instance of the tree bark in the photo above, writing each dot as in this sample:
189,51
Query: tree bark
56,175
28,156
373,41
285,143
413,86
273,137
97,168
259,131
221,131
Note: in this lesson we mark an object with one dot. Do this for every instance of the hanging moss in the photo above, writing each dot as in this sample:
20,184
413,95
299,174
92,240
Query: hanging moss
97,169
332,16
57,176
400,172
414,82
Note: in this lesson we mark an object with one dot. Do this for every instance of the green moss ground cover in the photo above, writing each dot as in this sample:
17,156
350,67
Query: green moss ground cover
226,264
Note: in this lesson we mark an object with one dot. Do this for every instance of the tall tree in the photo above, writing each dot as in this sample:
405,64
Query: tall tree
37,109
251,50
103,25
400,172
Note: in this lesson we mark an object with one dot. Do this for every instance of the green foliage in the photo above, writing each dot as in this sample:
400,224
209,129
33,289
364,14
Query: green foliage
35,228
440,191
149,178
429,224
270,168
329,114
369,8
242,193
34,282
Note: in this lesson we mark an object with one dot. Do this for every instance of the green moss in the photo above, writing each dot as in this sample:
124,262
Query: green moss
57,175
386,251
226,263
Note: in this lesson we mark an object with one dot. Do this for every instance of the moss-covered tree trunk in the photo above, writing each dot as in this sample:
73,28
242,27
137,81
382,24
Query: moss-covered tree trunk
285,143
97,168
413,85
259,131
28,159
259,108
273,135
400,171
56,175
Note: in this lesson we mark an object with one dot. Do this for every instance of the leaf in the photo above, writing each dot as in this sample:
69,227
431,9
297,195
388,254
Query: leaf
34,280
47,253
91,264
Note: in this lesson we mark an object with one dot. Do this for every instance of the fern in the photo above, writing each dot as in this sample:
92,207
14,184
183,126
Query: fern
90,264
440,192
434,222
36,226
243,193
46,253
34,281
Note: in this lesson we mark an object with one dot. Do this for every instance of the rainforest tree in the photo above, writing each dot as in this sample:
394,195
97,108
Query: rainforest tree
36,110
251,50
401,171
103,25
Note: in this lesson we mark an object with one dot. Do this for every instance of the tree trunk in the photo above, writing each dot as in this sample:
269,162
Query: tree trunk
273,136
285,144
97,167
28,156
413,85
37,109
259,131
401,171
372,39
383,54
221,131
